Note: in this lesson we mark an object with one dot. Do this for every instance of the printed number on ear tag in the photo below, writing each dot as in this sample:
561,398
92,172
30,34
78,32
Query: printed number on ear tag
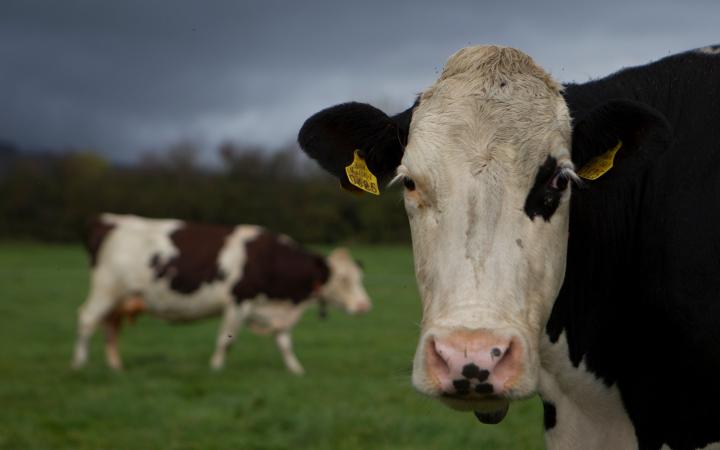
360,176
599,165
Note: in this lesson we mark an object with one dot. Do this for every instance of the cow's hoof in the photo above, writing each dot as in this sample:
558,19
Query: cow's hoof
217,363
295,368
77,365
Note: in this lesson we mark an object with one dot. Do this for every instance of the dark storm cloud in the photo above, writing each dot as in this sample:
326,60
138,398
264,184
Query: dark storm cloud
127,76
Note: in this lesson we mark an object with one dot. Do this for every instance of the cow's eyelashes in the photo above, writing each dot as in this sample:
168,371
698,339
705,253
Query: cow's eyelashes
408,183
559,180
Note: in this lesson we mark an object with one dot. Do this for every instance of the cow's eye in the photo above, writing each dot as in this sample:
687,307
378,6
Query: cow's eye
408,183
559,180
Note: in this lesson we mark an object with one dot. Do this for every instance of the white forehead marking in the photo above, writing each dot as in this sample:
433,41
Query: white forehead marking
497,64
491,109
710,50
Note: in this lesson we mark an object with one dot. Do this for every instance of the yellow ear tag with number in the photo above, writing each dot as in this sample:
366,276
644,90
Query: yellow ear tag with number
599,165
360,176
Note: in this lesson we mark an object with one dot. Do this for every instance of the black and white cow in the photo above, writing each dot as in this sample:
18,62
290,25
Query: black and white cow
606,302
182,271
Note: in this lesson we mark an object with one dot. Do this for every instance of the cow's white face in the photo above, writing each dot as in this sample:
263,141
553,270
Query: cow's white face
344,287
486,172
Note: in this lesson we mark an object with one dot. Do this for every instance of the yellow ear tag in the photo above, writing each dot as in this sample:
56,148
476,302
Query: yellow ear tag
360,176
599,165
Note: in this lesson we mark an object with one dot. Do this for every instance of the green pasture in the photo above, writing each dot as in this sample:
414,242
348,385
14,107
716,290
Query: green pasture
356,393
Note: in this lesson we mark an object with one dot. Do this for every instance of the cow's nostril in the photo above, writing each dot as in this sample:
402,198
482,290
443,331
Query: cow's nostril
462,386
470,364
473,371
436,361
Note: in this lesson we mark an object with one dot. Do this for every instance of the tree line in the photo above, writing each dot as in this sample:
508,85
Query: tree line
51,196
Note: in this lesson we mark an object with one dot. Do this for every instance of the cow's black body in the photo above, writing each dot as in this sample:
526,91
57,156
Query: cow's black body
640,302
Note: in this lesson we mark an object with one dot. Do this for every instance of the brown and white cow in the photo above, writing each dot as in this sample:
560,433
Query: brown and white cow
181,271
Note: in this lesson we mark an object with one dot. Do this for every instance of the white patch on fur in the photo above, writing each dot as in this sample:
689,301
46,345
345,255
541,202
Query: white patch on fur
273,316
590,415
709,50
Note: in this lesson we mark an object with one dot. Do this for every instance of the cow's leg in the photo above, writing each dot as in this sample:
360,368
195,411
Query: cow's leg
112,324
233,317
97,306
284,343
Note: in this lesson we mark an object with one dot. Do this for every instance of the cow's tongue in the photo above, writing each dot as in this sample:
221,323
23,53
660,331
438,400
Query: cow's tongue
493,417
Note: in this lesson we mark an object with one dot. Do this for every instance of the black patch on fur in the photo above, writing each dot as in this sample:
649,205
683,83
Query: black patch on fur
484,388
462,386
97,231
196,262
549,415
155,262
279,270
157,265
543,200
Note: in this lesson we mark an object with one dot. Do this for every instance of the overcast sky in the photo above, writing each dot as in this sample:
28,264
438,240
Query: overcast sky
128,76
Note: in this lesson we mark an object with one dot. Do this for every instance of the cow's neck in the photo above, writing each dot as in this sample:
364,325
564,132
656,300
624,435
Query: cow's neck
577,350
601,270
580,411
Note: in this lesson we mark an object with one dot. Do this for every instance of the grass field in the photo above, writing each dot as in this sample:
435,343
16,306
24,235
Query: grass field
356,393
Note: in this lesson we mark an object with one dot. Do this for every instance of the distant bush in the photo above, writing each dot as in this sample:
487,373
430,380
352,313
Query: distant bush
50,196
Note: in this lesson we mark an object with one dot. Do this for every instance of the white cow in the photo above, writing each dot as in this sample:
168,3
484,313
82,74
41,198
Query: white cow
182,271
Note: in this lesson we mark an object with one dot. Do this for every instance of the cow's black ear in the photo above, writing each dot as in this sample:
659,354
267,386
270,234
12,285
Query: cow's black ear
643,131
332,135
